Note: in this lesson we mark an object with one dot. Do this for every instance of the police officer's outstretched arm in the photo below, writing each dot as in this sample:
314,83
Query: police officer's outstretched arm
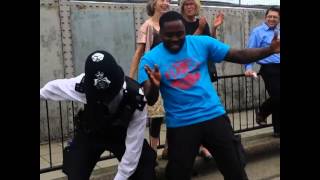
134,144
249,55
63,89
151,86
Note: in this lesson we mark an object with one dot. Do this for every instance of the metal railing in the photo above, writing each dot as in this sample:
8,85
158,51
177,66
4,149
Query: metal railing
239,94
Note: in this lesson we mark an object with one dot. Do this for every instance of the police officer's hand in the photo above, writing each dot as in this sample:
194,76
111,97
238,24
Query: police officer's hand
275,43
154,75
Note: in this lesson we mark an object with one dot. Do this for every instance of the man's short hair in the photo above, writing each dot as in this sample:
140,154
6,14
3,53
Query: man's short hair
273,8
169,16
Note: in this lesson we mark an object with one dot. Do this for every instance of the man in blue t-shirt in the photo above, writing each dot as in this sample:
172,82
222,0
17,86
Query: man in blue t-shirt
194,114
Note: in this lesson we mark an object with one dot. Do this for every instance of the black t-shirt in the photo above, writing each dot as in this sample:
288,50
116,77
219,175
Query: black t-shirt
191,27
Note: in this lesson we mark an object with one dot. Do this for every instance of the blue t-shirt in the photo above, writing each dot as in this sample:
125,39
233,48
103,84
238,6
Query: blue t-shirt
188,94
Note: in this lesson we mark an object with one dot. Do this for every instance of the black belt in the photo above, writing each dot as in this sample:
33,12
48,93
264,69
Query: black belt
271,65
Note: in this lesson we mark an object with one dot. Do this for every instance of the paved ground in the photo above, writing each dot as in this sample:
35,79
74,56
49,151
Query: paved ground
265,167
272,163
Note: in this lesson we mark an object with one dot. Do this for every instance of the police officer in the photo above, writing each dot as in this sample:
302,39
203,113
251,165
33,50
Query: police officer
114,119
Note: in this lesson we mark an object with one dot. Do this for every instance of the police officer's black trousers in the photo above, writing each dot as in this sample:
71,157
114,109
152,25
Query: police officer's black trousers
271,77
217,136
85,150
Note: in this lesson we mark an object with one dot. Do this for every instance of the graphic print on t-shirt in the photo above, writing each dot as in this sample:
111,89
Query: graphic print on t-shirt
183,74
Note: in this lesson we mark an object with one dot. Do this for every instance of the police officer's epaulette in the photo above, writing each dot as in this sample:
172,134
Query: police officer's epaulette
133,93
80,86
133,98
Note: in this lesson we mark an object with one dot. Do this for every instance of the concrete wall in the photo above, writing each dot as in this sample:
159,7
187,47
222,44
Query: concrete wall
70,30
51,64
